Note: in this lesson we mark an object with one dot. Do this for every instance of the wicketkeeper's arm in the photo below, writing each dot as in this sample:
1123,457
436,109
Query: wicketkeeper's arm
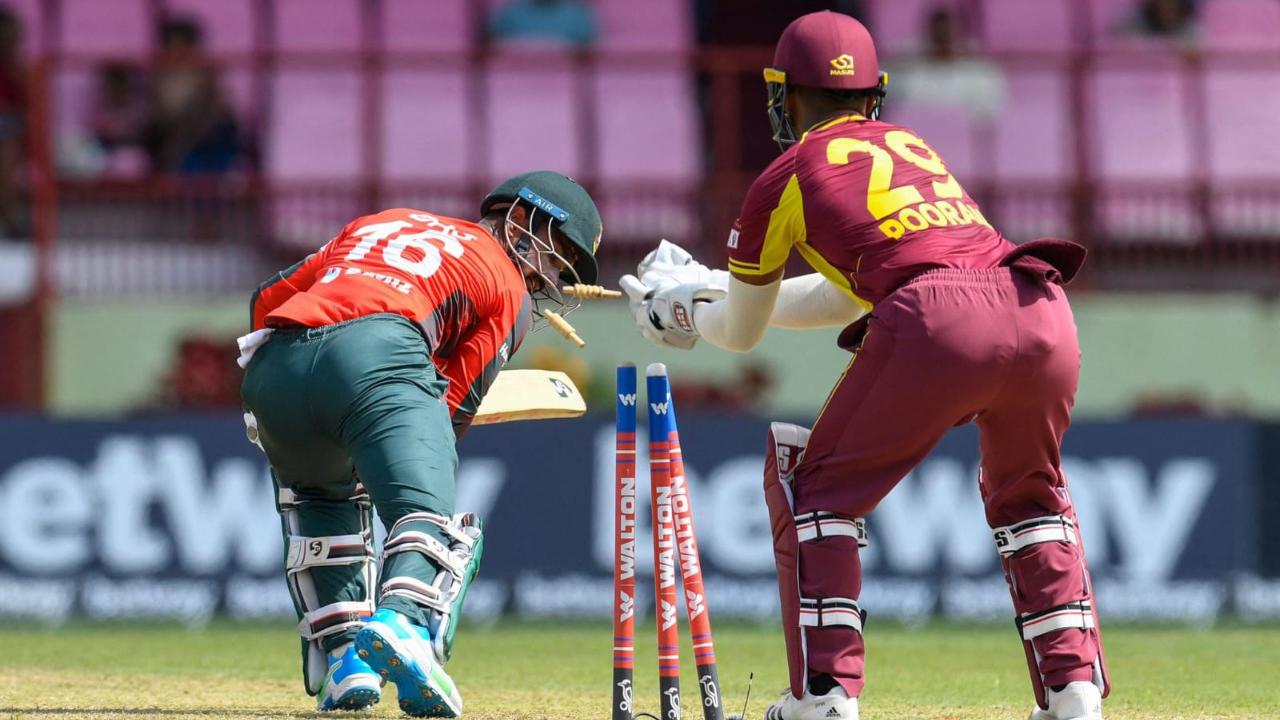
738,322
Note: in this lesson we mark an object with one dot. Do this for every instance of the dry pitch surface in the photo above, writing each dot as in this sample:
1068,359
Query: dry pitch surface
563,672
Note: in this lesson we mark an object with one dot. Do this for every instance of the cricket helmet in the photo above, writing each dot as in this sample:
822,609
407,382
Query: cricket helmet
552,197
822,50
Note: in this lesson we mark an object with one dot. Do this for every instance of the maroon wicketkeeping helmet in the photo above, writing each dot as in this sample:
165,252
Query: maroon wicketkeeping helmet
823,50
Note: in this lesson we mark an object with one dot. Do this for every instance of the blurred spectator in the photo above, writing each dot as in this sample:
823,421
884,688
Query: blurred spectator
204,375
1167,19
13,108
561,22
191,127
945,75
120,119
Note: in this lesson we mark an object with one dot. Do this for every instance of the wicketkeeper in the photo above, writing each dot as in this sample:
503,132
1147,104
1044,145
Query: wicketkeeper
368,360
948,323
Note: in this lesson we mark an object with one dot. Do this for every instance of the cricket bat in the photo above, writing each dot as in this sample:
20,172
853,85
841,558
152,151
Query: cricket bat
530,395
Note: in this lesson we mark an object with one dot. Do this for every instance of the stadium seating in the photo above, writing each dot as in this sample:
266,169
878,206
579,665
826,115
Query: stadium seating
647,139
438,26
317,25
1243,155
1045,26
1143,150
1241,25
1032,157
426,128
534,118
121,28
652,25
898,23
31,14
229,26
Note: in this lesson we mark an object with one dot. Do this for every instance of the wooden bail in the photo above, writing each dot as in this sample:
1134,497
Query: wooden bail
563,327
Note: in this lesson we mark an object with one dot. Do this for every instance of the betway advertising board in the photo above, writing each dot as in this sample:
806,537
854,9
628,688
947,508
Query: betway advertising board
174,518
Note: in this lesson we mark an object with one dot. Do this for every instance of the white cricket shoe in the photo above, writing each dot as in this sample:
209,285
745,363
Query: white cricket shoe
1080,700
835,705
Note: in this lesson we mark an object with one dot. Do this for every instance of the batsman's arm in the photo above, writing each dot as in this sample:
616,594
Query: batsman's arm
278,288
475,363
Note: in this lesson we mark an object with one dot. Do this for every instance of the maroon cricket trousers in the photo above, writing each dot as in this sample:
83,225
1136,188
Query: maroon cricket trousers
996,347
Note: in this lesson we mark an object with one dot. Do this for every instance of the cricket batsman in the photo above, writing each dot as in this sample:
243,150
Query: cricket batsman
367,361
948,323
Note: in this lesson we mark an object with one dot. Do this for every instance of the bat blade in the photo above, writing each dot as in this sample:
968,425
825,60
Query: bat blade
530,395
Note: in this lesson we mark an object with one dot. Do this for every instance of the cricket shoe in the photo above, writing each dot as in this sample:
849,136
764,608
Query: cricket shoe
835,705
350,684
1080,700
401,652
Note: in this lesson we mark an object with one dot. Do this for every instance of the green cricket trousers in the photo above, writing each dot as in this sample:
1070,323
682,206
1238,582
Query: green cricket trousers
358,402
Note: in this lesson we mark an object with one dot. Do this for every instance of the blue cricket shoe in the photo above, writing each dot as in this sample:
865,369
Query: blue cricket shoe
350,685
401,652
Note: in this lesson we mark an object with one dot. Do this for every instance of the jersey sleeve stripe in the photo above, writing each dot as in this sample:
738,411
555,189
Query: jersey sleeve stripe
786,228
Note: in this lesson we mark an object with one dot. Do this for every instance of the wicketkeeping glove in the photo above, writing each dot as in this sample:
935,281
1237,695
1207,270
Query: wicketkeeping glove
664,313
670,263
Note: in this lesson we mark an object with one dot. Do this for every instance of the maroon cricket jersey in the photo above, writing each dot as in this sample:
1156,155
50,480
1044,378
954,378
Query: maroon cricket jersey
869,205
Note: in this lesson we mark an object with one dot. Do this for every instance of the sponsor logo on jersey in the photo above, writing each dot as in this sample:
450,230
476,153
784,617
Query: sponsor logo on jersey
842,65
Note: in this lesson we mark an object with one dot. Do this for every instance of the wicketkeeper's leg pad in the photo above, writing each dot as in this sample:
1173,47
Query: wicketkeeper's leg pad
438,588
809,606
1052,593
330,605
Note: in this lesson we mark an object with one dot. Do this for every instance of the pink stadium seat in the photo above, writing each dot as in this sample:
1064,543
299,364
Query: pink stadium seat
1032,136
74,99
31,13
1142,150
436,26
228,25
899,25
318,25
314,138
240,88
314,129
426,125
648,151
647,125
120,28
1244,137
658,25
1108,19
1017,25
534,116
949,131
1243,148
1241,24
1032,158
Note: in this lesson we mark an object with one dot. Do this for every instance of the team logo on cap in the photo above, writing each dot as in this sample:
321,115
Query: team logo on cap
842,65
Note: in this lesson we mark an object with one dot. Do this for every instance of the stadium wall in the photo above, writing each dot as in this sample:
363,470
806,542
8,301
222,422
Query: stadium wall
173,518
1219,350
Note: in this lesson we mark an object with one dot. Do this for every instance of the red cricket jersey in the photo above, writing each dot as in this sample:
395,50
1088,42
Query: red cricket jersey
868,204
451,277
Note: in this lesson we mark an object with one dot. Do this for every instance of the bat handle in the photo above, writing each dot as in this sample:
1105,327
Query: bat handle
563,327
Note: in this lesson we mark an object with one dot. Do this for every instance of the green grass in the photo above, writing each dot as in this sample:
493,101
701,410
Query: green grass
563,672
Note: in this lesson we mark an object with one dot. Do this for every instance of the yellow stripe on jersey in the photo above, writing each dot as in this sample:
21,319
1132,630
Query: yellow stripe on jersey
830,272
826,124
786,228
